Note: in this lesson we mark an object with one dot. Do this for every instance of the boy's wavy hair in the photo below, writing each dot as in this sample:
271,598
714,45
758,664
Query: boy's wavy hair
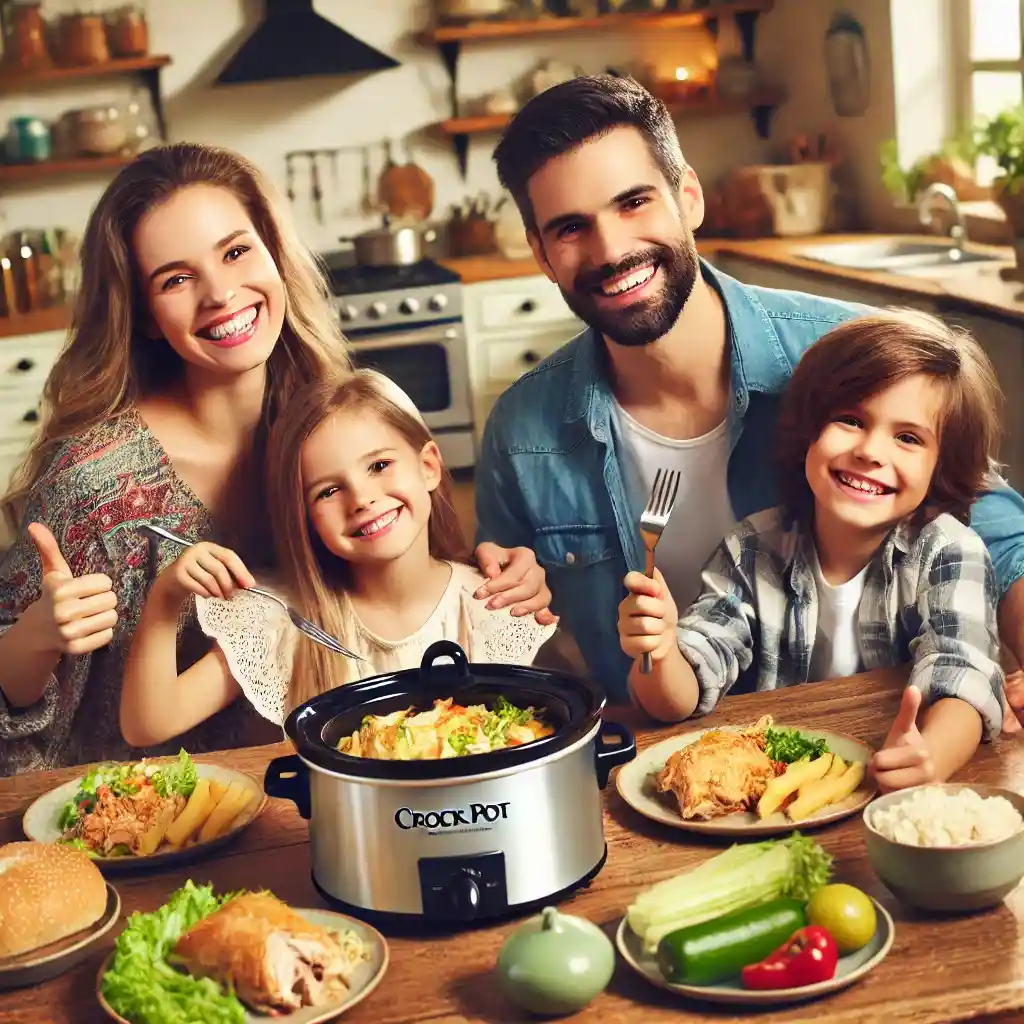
863,357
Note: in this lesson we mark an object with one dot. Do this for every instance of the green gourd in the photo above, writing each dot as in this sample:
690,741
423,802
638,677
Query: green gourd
555,964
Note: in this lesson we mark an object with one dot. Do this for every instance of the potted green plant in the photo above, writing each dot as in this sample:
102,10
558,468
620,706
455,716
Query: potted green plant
1002,138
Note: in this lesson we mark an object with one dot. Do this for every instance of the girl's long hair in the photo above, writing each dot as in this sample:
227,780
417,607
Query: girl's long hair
109,362
315,578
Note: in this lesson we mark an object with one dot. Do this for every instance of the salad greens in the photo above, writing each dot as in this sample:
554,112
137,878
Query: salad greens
789,745
143,987
124,779
743,876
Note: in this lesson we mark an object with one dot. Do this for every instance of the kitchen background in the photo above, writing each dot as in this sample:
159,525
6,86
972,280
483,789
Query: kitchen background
785,108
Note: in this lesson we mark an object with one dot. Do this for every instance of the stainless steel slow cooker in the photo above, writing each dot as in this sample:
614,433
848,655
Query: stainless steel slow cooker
458,839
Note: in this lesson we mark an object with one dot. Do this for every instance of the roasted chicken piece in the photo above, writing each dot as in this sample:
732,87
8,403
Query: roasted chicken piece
123,820
276,960
720,773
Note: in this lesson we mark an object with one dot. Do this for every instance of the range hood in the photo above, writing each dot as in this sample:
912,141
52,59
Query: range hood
293,41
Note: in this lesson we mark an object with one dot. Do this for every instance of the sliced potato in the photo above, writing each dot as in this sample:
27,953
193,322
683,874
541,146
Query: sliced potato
837,768
154,836
217,790
245,812
196,811
795,776
225,811
826,791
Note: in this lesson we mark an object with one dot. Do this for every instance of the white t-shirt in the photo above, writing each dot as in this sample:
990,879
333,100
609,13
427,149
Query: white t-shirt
836,651
702,513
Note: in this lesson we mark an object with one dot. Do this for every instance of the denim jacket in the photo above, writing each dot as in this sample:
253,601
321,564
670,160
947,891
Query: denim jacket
549,476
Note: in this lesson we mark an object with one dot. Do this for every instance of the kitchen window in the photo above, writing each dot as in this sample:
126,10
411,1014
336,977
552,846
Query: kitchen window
991,75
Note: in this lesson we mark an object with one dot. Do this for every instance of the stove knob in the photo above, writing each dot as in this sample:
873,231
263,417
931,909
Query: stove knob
348,312
463,896
409,306
377,310
438,302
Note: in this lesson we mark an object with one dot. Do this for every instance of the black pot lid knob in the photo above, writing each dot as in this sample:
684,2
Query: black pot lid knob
439,650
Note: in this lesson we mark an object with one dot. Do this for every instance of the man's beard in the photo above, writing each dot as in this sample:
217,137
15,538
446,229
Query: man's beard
647,319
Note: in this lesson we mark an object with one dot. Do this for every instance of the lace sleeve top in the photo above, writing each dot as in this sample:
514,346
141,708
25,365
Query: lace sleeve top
258,640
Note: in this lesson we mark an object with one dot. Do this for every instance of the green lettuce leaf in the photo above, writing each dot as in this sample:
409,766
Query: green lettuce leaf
144,988
177,777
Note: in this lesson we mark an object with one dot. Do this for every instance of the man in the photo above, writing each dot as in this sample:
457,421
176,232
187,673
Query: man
681,368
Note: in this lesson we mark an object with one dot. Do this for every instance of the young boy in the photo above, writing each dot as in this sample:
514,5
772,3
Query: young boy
885,435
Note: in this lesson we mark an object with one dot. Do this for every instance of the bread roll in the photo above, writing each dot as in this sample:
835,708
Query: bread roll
47,892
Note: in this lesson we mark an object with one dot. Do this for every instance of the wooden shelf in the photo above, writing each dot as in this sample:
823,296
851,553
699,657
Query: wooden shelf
38,322
706,107
11,81
481,31
53,168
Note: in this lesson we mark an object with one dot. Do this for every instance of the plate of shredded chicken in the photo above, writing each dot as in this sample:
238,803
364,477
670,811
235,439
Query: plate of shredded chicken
134,814
722,780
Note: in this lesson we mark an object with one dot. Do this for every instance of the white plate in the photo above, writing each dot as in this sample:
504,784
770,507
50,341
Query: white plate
48,961
41,820
849,969
365,978
636,785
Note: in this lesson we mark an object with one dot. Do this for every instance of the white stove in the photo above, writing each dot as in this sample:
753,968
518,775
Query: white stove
407,323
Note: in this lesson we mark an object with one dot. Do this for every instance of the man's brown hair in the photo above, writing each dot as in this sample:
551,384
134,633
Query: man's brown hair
862,357
567,115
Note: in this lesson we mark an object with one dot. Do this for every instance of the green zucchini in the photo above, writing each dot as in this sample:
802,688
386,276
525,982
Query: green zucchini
712,951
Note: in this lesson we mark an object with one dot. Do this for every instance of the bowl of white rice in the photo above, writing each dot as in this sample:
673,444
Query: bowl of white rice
951,847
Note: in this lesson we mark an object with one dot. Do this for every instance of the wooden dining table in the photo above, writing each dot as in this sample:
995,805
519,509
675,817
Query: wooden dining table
939,968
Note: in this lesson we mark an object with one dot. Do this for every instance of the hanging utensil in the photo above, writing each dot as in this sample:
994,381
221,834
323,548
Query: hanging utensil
369,203
406,190
316,191
289,170
335,180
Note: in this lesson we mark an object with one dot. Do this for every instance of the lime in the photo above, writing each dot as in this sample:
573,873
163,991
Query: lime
846,913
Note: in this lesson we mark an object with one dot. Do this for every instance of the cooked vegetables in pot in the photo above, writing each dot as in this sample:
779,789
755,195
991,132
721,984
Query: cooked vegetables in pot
446,730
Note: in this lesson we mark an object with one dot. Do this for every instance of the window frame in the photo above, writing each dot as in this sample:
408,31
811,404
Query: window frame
965,67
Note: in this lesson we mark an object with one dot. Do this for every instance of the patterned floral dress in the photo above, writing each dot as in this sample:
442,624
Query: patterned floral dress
97,489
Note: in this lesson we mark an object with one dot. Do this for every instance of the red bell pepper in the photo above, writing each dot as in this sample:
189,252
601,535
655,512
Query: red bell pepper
807,958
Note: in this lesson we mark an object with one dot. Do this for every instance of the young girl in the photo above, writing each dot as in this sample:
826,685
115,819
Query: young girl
885,435
368,546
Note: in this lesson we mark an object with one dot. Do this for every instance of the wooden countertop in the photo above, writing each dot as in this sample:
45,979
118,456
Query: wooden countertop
976,286
939,969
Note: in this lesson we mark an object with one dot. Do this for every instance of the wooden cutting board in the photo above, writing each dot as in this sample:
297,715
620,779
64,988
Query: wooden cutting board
405,191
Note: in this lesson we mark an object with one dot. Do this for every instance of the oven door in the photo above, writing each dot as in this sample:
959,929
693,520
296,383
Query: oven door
429,364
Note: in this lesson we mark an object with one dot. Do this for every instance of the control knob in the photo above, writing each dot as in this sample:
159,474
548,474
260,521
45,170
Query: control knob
438,302
409,306
377,310
463,896
348,312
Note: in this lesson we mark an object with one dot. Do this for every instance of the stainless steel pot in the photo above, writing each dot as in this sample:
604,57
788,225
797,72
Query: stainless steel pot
390,245
460,839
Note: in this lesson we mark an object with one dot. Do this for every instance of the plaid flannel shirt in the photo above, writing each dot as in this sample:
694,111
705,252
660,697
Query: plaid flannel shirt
929,596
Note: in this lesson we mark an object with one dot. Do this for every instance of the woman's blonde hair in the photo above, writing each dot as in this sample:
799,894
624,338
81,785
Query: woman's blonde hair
109,362
315,578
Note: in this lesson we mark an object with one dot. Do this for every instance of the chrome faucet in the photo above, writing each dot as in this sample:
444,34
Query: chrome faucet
924,210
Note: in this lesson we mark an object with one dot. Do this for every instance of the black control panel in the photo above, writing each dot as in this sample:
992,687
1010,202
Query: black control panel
463,888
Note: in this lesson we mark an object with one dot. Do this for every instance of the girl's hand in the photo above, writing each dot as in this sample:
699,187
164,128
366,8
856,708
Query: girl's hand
515,579
647,617
904,760
1013,691
74,615
206,570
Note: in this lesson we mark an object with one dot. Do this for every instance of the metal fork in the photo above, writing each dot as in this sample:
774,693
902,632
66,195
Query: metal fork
311,629
653,521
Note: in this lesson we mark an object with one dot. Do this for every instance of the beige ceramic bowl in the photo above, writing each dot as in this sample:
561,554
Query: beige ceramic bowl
947,878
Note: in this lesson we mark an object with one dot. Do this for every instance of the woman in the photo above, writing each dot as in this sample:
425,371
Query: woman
199,312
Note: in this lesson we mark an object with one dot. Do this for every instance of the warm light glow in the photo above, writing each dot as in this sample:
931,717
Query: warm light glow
26,252
5,263
682,74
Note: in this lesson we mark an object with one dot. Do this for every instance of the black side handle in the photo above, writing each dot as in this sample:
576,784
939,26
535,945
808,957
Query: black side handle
444,649
288,778
611,755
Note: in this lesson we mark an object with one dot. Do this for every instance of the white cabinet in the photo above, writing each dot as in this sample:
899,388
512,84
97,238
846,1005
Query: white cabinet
25,363
511,325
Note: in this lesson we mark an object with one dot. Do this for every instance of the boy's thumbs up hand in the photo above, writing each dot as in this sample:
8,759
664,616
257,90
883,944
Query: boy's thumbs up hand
904,760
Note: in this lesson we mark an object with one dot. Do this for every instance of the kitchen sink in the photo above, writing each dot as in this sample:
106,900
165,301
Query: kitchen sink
897,256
